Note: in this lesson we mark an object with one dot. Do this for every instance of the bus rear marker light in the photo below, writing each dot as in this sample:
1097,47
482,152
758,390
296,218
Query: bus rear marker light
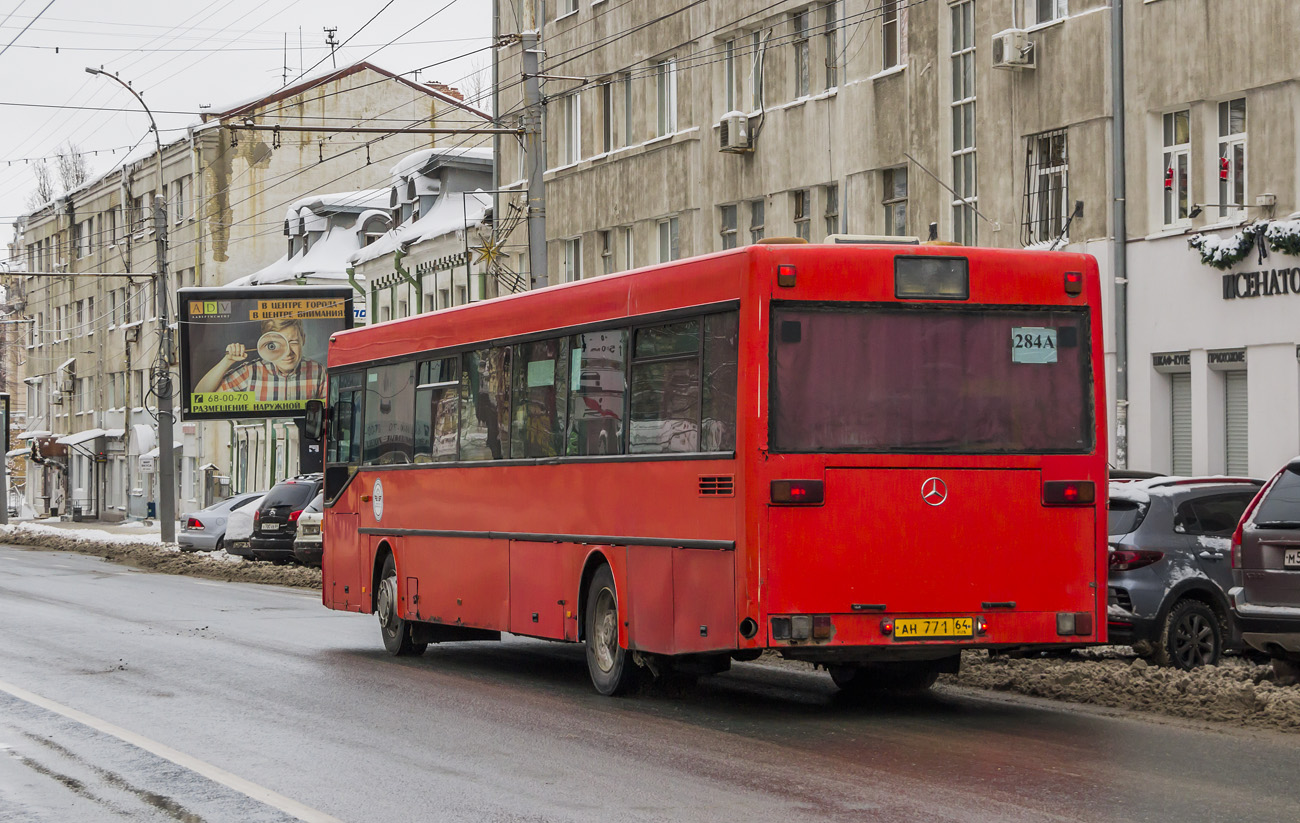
887,626
785,276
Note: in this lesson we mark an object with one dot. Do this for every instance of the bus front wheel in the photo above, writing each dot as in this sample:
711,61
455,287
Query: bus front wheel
611,667
395,630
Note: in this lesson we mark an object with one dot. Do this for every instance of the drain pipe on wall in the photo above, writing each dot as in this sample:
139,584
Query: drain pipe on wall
1120,264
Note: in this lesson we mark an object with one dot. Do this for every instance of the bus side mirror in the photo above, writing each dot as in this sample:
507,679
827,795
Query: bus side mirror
314,424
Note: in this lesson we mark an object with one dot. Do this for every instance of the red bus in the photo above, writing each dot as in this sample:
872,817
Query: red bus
866,457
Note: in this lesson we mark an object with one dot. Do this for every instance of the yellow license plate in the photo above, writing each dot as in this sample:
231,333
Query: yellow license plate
927,628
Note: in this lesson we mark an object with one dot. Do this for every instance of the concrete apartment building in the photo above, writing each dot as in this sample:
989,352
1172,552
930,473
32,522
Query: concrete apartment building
92,353
677,128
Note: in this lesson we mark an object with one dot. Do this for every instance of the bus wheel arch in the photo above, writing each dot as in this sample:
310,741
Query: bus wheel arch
611,665
397,632
382,552
594,561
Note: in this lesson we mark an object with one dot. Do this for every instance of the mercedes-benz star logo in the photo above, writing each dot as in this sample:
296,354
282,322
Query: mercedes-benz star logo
934,491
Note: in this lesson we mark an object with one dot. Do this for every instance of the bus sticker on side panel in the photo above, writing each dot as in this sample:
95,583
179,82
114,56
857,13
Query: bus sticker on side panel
1033,345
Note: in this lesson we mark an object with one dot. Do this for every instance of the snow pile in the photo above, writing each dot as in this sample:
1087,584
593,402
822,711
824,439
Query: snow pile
1237,691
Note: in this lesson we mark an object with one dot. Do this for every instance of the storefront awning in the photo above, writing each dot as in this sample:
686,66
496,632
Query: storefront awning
34,435
17,453
113,434
143,436
80,437
153,455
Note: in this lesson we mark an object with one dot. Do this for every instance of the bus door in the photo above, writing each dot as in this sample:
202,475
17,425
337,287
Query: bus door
342,562
941,435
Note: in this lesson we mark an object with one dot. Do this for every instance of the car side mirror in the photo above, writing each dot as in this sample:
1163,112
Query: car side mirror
314,424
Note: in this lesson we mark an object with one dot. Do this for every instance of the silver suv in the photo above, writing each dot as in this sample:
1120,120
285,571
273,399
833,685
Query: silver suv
1266,572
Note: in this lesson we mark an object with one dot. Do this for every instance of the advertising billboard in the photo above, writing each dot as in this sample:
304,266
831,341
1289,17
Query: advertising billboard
258,351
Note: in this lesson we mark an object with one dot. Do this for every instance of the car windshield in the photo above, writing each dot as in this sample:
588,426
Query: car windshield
290,493
1281,508
988,380
1124,516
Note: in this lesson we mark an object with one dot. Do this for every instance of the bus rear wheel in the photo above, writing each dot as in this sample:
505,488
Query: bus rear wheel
396,631
905,677
611,667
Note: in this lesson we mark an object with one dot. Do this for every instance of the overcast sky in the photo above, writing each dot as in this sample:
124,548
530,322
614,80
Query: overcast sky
187,54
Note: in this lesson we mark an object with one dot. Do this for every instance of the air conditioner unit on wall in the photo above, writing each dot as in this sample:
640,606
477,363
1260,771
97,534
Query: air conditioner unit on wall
733,133
1012,49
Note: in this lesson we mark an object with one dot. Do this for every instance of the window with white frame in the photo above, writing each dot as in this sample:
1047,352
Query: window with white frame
964,181
802,207
572,259
627,249
1046,11
889,34
1177,161
607,117
730,75
571,111
1232,156
666,97
1047,191
757,220
668,247
627,110
566,7
178,199
607,251
832,215
894,200
727,216
756,71
801,71
832,31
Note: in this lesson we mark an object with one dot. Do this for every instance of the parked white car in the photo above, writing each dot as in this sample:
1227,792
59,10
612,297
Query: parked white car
308,543
239,529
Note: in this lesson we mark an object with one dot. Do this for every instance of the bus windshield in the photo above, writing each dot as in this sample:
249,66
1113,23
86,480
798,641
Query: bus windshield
930,379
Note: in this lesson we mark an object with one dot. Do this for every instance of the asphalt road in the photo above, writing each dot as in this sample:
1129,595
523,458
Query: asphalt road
134,696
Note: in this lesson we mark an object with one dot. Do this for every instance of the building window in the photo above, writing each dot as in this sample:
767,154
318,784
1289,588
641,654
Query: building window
627,109
178,199
607,251
1232,156
728,231
1181,423
964,182
1048,10
756,72
802,209
832,209
403,308
1046,187
757,217
800,21
572,260
666,97
607,117
729,74
668,246
567,7
832,44
1236,419
572,145
894,189
1177,140
889,34
627,249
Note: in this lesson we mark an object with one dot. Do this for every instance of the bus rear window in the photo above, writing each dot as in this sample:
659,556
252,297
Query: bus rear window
855,378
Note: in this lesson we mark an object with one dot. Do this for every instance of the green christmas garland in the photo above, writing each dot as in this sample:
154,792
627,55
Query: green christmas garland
1226,252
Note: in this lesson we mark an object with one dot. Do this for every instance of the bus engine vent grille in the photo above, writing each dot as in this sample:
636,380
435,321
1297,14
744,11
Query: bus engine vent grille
717,485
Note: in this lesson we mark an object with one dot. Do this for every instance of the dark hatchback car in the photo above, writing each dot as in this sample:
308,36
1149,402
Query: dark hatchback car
1266,573
1169,566
276,521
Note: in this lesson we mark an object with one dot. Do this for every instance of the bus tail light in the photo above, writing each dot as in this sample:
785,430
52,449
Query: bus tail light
798,492
780,628
821,627
1126,560
1069,493
981,626
801,626
1074,283
1073,623
785,276
887,626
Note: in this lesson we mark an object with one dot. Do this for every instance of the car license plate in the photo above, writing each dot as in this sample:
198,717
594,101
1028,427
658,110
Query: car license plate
927,628
1291,559
270,527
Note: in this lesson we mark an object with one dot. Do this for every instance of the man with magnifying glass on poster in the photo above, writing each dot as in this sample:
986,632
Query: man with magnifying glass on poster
279,373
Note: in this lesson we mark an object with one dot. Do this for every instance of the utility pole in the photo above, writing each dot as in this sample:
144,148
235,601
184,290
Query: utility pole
534,147
331,42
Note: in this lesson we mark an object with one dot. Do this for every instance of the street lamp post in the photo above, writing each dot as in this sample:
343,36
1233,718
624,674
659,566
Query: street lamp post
163,380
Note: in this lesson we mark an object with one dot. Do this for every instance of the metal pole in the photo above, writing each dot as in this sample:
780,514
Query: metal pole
163,381
535,150
1120,260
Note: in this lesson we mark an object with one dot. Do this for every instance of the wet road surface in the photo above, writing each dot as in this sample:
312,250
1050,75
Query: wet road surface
133,696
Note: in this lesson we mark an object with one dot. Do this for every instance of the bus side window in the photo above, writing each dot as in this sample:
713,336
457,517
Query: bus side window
390,410
721,353
345,419
596,391
540,397
485,404
666,389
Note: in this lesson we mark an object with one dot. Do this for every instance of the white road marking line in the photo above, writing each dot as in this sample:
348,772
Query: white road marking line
218,775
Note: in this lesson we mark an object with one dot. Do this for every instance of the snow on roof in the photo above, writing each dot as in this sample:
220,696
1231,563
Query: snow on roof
451,212
359,200
327,258
414,161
